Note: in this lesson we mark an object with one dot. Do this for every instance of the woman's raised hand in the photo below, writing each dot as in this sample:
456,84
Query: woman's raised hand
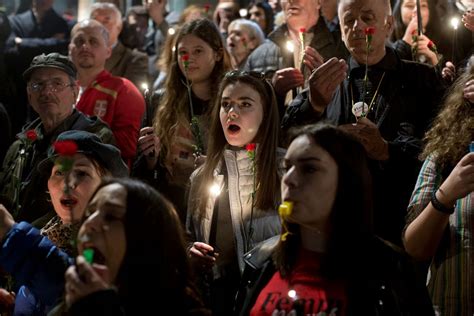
459,183
423,49
83,279
149,146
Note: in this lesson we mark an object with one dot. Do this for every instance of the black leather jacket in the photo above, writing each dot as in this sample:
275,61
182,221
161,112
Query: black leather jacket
385,285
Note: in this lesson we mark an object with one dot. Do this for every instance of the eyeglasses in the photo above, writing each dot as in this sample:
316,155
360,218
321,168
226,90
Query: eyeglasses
55,85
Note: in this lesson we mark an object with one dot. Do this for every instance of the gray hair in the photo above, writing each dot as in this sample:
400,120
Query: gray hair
106,6
254,30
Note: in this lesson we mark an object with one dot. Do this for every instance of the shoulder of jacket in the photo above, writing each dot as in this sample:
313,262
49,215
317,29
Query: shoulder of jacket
261,253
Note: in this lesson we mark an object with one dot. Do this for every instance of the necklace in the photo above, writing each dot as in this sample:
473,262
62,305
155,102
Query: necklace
361,109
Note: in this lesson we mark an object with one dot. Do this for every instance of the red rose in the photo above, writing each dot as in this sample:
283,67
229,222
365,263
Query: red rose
207,6
65,147
185,57
302,30
250,147
431,46
370,30
31,135
414,32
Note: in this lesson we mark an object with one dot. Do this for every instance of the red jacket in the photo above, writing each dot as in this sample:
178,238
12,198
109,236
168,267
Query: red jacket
119,103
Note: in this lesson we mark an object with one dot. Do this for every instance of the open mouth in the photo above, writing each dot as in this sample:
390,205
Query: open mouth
97,257
68,202
233,128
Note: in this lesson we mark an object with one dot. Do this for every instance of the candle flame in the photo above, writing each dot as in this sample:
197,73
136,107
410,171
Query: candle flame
455,23
171,31
144,86
243,13
292,293
290,46
215,190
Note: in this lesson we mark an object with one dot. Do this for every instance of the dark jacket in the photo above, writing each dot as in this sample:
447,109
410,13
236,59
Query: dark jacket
385,283
48,36
406,103
272,55
33,198
108,303
172,185
5,131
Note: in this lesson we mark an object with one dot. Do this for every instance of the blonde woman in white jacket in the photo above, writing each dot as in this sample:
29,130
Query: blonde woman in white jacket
234,195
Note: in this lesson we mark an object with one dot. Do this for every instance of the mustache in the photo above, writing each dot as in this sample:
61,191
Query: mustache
47,99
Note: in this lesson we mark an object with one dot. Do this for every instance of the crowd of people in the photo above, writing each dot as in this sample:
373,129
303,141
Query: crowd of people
292,157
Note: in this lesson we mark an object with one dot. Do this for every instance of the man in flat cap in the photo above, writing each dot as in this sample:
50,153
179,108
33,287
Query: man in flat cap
52,93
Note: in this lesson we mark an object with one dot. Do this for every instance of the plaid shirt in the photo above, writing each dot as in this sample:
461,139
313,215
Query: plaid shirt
450,279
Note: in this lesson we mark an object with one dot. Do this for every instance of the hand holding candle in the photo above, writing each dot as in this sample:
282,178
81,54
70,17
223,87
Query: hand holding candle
454,23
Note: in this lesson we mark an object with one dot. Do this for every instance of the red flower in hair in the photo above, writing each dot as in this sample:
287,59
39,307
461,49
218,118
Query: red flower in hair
65,148
31,135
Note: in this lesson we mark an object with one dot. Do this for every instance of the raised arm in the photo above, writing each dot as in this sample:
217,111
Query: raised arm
424,233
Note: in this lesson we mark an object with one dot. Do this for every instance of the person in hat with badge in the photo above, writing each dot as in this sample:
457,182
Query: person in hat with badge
52,93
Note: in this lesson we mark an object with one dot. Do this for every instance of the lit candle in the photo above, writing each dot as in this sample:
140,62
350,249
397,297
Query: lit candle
215,190
292,294
302,32
243,13
454,24
290,46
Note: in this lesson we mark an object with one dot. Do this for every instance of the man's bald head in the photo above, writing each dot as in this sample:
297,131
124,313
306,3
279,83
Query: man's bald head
91,24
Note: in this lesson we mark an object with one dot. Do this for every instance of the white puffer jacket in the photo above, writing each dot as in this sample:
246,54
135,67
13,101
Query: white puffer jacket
266,224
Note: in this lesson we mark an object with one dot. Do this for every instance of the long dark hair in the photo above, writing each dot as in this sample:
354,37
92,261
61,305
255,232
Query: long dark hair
399,27
351,216
269,19
267,137
155,251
